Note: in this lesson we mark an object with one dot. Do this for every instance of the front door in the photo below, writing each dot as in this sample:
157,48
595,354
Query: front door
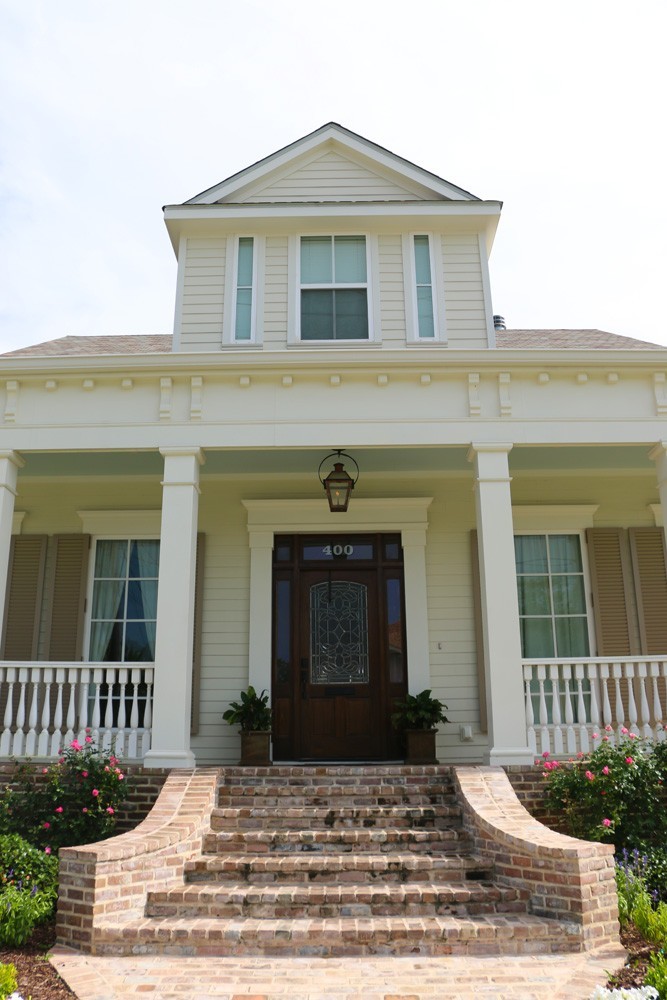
339,648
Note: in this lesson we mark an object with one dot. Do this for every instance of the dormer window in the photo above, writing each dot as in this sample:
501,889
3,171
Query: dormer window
424,288
243,306
334,288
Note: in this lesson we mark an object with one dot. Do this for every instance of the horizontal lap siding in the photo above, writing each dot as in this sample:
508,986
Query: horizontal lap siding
464,291
331,178
392,293
203,294
275,292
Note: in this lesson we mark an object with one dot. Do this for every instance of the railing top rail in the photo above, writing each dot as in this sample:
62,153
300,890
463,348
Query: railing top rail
575,660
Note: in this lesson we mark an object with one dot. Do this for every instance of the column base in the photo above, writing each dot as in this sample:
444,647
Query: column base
170,758
498,756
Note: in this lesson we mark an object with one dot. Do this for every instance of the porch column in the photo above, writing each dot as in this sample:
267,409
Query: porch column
260,638
416,609
10,463
659,456
500,605
172,694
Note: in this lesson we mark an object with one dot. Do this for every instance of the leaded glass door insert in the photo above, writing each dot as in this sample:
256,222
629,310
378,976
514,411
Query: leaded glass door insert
339,633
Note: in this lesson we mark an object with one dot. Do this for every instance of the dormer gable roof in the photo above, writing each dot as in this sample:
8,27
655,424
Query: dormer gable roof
400,179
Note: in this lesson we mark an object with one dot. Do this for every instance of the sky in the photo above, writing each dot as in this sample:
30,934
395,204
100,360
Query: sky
109,111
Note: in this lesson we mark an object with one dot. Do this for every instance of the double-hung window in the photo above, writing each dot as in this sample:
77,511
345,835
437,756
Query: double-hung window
243,297
334,288
423,288
124,601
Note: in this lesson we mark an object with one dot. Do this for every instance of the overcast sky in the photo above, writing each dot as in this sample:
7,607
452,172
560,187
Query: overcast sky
110,110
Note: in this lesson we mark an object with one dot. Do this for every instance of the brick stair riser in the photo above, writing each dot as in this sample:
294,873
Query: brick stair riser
374,792
335,841
272,800
353,818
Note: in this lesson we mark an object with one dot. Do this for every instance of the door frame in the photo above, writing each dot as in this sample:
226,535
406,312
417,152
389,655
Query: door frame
406,515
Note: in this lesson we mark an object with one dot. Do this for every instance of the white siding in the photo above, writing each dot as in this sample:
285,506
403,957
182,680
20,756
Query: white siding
203,294
392,293
464,292
332,177
275,292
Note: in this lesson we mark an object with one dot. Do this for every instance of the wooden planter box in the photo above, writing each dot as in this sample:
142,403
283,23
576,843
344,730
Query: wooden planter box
420,746
255,748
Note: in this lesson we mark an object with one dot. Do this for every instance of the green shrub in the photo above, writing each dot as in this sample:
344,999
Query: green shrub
76,801
28,888
8,980
615,794
656,973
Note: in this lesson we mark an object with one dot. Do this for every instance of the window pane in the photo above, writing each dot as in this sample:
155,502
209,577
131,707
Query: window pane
110,559
317,315
351,308
244,277
425,312
242,327
537,638
569,596
316,260
106,644
531,554
534,597
422,261
349,259
144,558
283,630
142,599
137,646
565,554
395,632
108,600
572,637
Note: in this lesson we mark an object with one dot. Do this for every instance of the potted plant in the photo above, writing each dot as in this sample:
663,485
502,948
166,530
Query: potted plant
418,715
253,714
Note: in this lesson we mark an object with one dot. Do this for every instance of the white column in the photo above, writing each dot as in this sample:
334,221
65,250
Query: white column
261,614
659,456
416,610
172,693
500,606
10,463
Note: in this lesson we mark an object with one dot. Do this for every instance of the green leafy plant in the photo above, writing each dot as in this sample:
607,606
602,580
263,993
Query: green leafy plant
76,800
615,794
419,711
28,888
656,973
8,980
252,713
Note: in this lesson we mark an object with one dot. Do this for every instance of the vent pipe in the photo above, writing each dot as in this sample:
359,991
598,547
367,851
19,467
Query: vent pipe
499,323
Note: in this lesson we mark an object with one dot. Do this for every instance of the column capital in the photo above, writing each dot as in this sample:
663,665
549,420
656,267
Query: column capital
658,451
13,458
488,447
185,452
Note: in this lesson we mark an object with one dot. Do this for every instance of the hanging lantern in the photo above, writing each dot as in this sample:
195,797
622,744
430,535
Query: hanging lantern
338,485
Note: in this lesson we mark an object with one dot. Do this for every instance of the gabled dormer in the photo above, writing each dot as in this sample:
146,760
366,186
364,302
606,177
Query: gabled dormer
332,241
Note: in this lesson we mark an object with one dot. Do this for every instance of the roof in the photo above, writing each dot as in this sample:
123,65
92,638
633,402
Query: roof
550,340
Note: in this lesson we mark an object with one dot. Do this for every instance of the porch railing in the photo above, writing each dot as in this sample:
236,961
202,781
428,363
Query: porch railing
44,706
569,701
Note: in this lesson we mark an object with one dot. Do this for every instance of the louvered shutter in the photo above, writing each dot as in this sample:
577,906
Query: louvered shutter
649,567
67,594
611,579
196,643
27,558
479,632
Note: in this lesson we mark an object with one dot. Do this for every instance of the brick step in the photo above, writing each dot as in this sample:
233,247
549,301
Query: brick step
239,899
325,772
273,798
506,933
320,817
334,841
359,869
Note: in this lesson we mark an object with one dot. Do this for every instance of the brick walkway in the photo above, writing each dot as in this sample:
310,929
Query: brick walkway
558,977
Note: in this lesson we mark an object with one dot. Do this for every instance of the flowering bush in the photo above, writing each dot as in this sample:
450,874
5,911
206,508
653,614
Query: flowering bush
75,803
615,794
28,888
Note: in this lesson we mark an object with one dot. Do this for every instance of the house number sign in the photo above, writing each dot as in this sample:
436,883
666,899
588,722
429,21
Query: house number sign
340,549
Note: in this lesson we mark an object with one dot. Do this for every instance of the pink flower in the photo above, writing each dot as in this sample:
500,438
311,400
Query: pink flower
607,729
110,810
88,729
45,770
89,739
47,826
84,810
606,822
106,768
590,775
633,736
605,770
84,774
629,760
120,776
624,730
47,850
75,745
96,792
596,736
546,754
59,809
605,739
580,754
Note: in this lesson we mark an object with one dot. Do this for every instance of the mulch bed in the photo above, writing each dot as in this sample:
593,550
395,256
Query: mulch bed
36,976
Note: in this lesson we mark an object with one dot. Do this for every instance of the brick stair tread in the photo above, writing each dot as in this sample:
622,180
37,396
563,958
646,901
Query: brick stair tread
344,835
308,862
351,799
338,813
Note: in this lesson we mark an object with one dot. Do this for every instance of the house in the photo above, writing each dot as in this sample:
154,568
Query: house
165,539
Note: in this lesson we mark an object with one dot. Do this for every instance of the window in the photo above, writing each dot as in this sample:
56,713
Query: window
552,596
124,601
334,288
424,288
243,311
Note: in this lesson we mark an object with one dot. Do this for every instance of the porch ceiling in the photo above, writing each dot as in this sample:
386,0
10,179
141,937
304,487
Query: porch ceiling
305,461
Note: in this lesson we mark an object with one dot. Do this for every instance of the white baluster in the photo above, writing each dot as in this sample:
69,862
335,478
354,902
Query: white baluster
619,711
98,674
658,729
134,714
606,705
45,724
645,714
6,738
554,674
107,736
569,710
581,709
545,741
71,705
18,743
57,735
84,688
31,739
148,712
595,709
632,705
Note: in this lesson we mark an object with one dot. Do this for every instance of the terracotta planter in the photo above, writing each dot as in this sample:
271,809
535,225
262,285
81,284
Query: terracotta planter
255,748
420,746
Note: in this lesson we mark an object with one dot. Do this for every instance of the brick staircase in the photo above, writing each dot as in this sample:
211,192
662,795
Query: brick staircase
337,860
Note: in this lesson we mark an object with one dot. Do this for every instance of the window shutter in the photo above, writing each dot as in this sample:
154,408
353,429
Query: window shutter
611,579
67,596
648,563
479,633
197,637
27,558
